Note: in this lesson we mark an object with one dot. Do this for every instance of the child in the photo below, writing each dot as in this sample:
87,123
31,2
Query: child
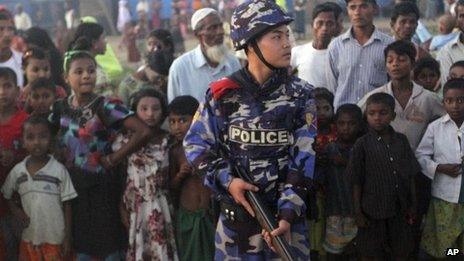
340,225
87,126
45,189
327,133
41,97
441,156
194,226
456,70
415,107
446,24
427,74
11,121
151,233
36,64
383,167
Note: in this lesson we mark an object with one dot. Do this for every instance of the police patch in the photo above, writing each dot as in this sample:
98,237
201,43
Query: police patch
279,137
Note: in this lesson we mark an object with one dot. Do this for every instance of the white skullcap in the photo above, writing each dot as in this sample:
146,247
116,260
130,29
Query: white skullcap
200,14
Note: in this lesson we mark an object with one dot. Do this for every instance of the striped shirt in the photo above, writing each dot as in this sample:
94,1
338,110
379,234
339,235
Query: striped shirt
354,70
384,171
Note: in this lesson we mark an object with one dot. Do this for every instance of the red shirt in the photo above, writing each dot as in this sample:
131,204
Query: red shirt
10,138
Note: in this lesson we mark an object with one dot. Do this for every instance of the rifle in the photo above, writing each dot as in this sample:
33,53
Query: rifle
264,217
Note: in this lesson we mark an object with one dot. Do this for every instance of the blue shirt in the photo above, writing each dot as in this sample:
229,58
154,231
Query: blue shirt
190,74
354,70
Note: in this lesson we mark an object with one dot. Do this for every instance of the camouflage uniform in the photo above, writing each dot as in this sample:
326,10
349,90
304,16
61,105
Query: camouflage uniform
269,131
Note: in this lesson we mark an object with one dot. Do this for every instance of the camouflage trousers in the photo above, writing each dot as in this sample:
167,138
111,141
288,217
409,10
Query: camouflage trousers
243,241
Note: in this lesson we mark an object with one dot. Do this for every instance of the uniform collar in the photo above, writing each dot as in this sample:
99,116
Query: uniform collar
390,130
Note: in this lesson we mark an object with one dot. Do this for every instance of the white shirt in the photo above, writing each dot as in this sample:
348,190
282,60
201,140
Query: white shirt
190,74
440,146
41,197
422,108
15,63
311,64
449,54
22,21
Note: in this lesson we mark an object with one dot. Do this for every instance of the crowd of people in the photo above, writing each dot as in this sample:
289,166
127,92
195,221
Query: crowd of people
353,141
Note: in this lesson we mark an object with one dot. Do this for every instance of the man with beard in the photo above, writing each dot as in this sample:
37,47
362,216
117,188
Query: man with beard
192,72
310,59
9,57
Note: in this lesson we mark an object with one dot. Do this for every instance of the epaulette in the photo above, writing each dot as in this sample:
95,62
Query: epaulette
220,87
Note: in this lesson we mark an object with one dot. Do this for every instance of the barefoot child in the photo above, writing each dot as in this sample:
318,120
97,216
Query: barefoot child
148,217
45,189
194,225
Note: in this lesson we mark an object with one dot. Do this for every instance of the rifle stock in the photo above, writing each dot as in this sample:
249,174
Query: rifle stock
265,219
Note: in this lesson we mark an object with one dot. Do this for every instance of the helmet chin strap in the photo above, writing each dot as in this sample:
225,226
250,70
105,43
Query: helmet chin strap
258,52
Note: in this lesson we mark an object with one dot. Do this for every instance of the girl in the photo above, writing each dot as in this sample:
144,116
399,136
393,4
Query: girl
38,37
148,218
36,64
43,184
90,37
340,226
87,124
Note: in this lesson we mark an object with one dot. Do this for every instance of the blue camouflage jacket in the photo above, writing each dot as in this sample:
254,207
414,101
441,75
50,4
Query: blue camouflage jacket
267,129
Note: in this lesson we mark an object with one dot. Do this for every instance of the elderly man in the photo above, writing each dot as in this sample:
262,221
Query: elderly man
192,72
310,59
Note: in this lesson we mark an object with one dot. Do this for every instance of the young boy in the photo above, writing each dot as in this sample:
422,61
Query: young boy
404,21
415,107
383,167
11,120
41,97
340,226
45,188
195,229
456,70
441,156
427,74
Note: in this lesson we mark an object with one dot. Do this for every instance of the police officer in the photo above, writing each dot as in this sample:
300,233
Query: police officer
261,119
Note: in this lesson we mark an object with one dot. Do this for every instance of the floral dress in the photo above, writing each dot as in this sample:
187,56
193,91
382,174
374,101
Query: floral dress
151,232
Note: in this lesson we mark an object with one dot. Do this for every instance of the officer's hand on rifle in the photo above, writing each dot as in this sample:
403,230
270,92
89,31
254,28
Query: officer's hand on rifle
283,229
237,188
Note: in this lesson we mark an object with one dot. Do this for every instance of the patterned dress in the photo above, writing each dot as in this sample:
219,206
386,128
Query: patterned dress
85,136
151,232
